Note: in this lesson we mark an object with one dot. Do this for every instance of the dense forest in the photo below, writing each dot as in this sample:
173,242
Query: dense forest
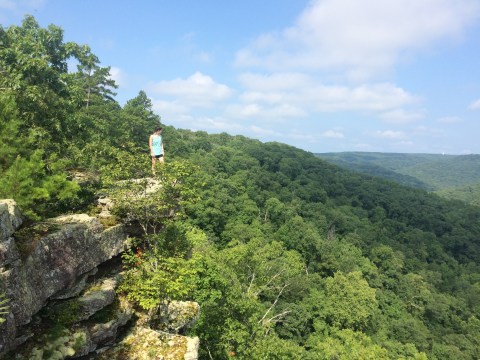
450,176
290,257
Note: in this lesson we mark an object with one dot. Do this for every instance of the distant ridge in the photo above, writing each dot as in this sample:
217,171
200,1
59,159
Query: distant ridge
452,176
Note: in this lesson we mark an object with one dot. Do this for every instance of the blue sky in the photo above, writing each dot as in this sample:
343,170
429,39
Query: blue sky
325,75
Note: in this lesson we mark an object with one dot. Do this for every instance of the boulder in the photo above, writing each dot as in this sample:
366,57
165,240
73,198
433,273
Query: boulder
176,317
10,218
146,343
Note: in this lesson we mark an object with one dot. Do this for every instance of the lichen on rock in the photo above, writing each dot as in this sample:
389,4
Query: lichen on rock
58,259
146,343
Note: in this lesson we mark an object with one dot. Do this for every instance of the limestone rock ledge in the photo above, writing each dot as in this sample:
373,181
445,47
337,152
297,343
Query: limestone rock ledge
146,343
48,263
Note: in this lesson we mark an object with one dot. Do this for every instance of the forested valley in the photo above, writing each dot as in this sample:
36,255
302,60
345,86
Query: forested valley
455,177
288,256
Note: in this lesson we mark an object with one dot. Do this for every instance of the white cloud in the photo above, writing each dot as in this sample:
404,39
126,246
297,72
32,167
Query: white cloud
276,112
305,96
376,97
263,131
401,116
118,76
218,124
299,137
196,90
172,108
205,123
428,131
450,120
244,111
274,82
333,134
475,105
405,143
190,50
390,134
359,37
204,57
363,147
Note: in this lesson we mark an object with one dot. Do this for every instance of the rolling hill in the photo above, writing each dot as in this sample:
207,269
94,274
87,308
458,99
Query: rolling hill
450,176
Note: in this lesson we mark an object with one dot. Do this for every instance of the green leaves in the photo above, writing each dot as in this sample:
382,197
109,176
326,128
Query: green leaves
346,345
158,279
38,192
149,201
350,302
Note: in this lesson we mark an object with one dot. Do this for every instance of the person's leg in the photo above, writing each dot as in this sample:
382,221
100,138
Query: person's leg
154,160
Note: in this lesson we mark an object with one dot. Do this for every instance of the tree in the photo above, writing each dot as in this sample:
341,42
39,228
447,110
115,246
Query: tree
346,344
38,193
94,81
349,301
33,62
140,119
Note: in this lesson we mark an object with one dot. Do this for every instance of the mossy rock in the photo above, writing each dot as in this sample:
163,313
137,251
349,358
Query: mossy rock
28,236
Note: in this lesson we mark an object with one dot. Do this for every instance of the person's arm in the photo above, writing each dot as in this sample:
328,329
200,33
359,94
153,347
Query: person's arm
150,144
163,151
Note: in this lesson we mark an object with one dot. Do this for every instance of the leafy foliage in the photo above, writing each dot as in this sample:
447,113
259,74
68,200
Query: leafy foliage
289,256
450,176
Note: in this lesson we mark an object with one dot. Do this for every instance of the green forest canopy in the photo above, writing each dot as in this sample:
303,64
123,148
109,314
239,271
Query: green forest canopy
450,176
289,257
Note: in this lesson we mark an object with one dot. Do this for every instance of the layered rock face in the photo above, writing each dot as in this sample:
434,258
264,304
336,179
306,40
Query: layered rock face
46,265
47,268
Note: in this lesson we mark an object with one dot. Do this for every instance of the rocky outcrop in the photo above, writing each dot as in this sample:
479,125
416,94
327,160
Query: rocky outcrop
176,316
82,339
42,264
146,343
10,219
139,188
54,273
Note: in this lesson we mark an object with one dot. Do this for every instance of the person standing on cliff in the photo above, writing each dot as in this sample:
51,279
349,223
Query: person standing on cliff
156,147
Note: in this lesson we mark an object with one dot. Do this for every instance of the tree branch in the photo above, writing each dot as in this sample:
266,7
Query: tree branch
274,303
251,283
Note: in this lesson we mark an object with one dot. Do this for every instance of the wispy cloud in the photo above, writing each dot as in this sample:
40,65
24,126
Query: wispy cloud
475,105
118,76
197,90
360,38
401,116
274,113
301,91
390,134
333,134
450,120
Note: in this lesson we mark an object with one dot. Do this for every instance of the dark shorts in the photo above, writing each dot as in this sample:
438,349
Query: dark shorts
157,156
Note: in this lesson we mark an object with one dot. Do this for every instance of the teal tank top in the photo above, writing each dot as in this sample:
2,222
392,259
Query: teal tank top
157,144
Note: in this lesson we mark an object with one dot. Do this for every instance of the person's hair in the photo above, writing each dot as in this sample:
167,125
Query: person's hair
158,128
